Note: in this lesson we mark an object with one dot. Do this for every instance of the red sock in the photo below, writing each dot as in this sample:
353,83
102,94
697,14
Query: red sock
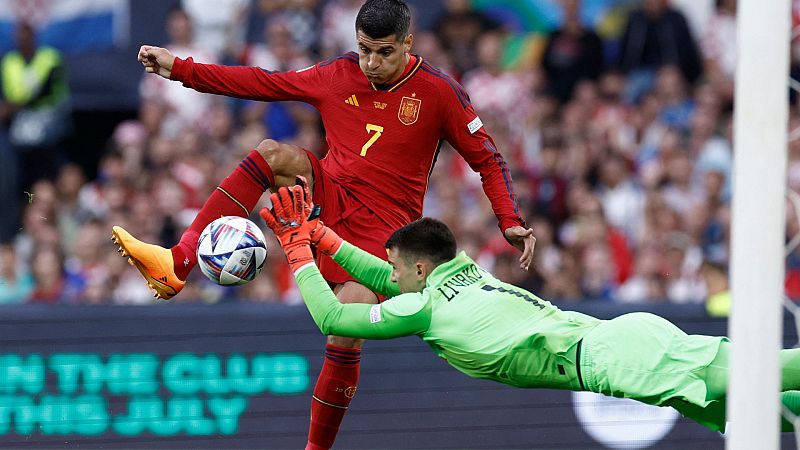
235,196
336,386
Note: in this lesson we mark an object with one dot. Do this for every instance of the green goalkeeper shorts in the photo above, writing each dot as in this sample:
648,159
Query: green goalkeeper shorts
646,358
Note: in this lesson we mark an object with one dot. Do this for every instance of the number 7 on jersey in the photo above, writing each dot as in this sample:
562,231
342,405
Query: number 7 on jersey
378,131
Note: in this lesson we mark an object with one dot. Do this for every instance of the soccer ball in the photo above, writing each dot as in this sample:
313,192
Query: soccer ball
231,251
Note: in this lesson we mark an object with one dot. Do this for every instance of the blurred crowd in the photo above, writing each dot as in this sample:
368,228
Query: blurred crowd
619,142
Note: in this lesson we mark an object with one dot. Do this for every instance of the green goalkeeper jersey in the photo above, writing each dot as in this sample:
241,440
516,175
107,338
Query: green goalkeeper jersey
480,325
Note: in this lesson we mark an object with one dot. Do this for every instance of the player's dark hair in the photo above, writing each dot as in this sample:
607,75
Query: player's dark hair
427,238
381,18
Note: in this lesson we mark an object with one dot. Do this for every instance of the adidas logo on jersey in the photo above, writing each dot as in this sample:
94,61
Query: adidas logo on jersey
352,100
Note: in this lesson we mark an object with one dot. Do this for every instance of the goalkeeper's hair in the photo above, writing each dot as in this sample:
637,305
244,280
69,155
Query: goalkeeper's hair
427,238
381,18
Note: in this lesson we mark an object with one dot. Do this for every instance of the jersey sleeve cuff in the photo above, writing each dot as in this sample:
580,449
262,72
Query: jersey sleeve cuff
338,250
303,268
180,68
508,222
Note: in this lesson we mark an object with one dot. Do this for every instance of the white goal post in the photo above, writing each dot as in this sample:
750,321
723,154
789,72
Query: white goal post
758,221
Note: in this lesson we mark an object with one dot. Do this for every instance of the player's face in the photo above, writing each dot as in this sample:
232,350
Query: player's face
383,60
409,275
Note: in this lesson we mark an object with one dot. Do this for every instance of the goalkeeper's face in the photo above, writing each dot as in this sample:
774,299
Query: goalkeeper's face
409,273
383,60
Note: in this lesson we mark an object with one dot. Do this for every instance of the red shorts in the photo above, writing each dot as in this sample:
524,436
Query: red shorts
349,218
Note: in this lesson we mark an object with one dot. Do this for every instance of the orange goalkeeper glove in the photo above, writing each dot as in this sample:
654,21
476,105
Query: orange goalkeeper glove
291,208
325,239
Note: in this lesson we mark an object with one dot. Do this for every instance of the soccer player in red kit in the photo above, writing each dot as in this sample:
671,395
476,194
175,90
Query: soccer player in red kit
386,113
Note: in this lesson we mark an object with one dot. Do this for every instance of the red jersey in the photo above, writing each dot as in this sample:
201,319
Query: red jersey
383,140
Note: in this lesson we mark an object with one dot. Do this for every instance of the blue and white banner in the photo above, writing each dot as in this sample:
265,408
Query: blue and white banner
72,26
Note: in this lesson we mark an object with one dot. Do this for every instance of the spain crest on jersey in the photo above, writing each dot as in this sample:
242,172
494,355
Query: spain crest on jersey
409,110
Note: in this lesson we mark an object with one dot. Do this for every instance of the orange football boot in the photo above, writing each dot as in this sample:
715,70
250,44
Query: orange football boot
154,263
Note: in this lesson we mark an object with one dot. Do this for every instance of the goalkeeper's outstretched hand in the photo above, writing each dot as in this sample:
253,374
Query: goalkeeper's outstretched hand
325,239
290,220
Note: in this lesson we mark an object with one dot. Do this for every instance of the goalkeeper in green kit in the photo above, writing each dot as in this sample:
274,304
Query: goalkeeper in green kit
493,330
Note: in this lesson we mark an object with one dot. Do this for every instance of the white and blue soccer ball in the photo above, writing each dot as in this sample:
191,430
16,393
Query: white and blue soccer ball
231,251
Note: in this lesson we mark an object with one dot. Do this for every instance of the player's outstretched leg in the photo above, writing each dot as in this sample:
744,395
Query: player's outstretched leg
269,164
335,388
154,263
717,379
338,379
790,400
790,369
716,375
790,384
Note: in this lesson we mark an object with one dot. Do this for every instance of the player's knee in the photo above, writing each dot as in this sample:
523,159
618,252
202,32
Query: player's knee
270,150
352,292
286,161
345,342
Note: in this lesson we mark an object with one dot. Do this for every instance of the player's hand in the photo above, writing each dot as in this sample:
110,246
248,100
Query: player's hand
325,239
156,60
524,240
288,219
322,237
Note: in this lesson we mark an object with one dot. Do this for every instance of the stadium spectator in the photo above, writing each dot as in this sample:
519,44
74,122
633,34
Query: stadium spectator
612,117
303,16
16,282
547,194
70,214
459,28
681,268
602,251
499,94
279,52
679,190
185,106
656,35
621,197
52,284
572,53
647,284
649,139
218,25
35,104
711,148
337,27
39,225
85,262
718,297
677,106
718,46
426,43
